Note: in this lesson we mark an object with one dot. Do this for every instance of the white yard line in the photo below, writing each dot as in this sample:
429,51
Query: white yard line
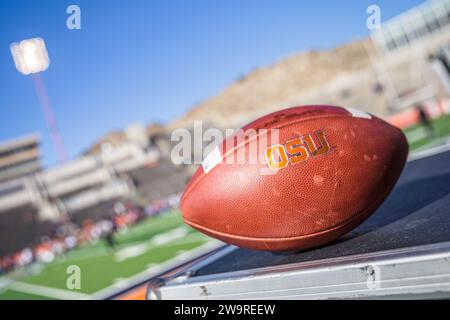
46,291
157,241
429,152
5,282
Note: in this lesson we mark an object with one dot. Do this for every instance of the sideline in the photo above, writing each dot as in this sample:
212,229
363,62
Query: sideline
38,290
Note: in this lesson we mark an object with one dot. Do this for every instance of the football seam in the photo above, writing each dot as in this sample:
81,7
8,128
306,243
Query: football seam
278,127
363,212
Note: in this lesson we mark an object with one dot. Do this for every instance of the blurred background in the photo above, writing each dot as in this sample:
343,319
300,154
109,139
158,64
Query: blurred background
90,92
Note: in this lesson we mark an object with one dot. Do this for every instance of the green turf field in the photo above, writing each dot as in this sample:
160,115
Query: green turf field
149,243
418,138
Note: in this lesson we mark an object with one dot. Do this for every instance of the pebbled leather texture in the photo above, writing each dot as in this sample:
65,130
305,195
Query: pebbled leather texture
303,205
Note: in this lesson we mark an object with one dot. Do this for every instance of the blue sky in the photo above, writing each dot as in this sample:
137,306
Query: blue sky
150,61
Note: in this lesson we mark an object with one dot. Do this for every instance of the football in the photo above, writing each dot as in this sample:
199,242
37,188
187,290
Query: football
295,179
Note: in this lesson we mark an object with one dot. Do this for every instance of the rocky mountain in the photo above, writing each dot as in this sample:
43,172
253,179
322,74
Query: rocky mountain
281,84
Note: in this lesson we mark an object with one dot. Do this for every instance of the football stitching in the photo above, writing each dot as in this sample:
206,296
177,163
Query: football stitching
362,213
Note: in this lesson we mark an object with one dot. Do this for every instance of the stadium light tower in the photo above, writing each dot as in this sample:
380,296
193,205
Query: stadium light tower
31,57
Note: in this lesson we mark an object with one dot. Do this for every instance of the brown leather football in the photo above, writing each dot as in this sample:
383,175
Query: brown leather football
328,169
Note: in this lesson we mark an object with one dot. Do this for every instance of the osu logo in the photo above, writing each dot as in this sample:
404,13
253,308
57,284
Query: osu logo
296,150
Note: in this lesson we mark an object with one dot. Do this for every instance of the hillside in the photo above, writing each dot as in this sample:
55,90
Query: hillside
275,86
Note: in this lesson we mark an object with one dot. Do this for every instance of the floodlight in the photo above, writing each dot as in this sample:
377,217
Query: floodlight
30,56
